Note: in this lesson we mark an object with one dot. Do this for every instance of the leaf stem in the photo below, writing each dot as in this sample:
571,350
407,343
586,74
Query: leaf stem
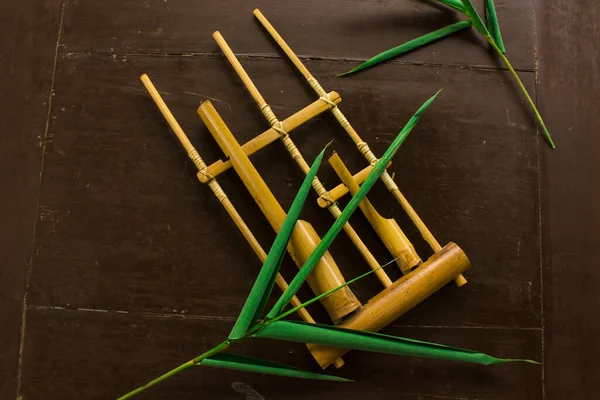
529,100
217,349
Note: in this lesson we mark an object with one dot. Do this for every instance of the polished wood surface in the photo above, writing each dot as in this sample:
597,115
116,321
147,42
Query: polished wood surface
101,218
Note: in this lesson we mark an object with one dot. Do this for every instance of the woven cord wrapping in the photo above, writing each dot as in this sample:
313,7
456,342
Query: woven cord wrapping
291,146
203,170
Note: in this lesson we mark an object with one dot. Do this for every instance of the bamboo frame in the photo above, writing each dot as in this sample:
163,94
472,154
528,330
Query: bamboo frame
304,239
362,146
388,230
218,190
298,158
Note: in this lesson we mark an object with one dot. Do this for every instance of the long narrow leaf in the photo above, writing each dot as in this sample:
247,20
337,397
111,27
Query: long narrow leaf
251,364
456,4
339,223
358,340
475,18
411,45
265,281
491,18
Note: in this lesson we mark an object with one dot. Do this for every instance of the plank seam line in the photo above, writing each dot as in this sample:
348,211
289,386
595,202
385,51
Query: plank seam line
490,327
270,56
233,319
432,396
35,222
540,214
133,313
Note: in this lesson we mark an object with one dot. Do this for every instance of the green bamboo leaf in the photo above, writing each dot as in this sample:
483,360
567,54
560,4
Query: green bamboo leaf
376,342
475,18
251,364
456,4
257,299
411,45
339,223
493,25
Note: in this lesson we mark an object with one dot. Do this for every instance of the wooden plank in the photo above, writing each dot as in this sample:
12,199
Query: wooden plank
27,48
569,91
102,355
330,29
125,226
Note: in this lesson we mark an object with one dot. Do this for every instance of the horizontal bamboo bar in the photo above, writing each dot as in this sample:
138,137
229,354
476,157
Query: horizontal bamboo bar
402,296
218,191
360,144
270,135
304,239
388,230
297,156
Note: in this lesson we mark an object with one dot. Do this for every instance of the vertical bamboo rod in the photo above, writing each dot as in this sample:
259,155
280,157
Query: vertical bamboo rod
217,190
362,146
297,156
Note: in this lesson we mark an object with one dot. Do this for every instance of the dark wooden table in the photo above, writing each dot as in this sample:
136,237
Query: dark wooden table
118,265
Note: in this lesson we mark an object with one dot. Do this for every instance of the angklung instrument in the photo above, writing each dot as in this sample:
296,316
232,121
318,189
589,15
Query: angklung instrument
421,278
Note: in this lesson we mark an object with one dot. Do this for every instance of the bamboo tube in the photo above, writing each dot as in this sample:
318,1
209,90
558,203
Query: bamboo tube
326,274
218,191
360,144
387,229
403,295
297,156
269,136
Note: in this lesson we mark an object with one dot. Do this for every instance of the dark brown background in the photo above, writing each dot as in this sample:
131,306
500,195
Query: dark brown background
117,265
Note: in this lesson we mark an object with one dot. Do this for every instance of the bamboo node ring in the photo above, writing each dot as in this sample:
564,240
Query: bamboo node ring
291,147
363,147
269,114
316,86
218,191
322,192
197,160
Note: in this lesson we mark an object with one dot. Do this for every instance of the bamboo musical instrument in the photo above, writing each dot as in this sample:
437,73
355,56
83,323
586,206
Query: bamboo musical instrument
360,144
404,294
217,189
387,229
304,239
297,156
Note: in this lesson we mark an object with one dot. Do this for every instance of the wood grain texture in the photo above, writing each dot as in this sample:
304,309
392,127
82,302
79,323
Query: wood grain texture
118,204
569,91
354,30
27,48
102,355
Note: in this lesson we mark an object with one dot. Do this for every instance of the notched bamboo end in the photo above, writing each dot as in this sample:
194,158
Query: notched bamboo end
460,280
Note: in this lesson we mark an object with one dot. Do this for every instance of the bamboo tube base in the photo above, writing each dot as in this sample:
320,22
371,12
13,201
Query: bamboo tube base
403,295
